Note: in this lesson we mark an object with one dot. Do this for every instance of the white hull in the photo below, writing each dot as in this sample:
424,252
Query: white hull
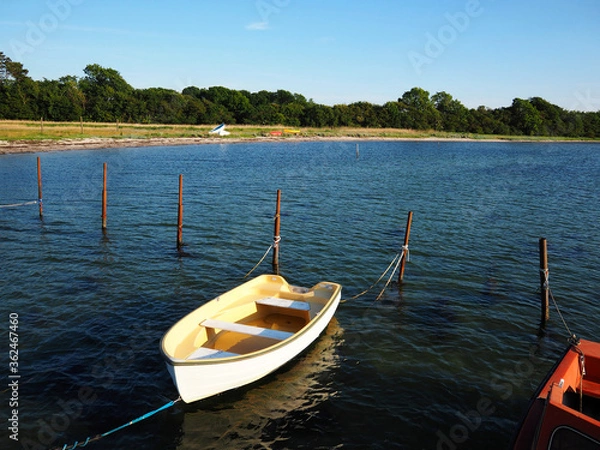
202,378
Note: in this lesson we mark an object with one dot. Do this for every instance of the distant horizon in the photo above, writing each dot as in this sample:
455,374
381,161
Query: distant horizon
482,52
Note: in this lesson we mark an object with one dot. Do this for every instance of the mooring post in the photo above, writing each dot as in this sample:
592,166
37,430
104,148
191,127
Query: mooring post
180,214
544,275
39,176
405,247
276,236
104,197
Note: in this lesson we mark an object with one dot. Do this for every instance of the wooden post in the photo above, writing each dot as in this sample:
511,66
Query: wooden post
405,247
104,197
180,215
544,275
39,176
276,236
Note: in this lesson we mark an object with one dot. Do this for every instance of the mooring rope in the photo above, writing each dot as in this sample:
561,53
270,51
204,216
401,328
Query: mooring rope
100,436
275,244
396,260
374,284
14,205
391,276
259,262
546,286
571,335
546,274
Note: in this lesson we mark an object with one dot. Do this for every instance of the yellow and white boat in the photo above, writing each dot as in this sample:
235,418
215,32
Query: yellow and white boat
245,334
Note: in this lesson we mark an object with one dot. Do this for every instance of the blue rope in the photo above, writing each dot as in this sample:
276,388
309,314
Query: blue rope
139,419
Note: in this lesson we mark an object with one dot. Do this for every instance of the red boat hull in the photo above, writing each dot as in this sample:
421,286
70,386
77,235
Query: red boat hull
565,412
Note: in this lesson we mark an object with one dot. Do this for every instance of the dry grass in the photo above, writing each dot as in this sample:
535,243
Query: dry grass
19,130
16,130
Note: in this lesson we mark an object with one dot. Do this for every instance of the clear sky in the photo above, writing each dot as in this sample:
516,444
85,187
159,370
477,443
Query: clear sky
482,52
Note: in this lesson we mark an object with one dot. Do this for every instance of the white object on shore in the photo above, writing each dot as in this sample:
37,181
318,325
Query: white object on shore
220,130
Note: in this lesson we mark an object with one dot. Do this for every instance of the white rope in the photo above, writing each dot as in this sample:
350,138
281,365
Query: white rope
391,276
546,274
405,250
261,260
397,257
14,205
560,314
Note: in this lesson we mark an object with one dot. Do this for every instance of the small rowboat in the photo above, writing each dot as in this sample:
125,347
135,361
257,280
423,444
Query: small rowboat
565,411
245,334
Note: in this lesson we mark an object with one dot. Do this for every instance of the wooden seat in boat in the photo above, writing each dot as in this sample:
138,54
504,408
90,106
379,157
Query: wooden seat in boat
283,303
206,353
246,329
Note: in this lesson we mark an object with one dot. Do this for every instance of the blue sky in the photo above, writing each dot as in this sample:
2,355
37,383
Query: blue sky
482,52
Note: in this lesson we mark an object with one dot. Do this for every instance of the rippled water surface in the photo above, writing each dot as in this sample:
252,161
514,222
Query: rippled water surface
446,360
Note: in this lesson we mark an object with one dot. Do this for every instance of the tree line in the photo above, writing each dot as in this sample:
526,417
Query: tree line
103,95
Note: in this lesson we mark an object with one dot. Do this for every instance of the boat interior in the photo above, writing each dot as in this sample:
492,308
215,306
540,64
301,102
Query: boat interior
266,318
583,392
242,324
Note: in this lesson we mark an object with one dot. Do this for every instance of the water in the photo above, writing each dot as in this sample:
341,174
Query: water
447,360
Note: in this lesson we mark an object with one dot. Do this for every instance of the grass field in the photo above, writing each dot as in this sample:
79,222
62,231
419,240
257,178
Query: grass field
18,130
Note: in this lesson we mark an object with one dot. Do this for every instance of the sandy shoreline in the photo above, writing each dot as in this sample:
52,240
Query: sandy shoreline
29,146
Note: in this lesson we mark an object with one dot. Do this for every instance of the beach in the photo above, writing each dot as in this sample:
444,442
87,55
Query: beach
47,145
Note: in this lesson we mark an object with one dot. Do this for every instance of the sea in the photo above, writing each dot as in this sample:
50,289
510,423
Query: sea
448,358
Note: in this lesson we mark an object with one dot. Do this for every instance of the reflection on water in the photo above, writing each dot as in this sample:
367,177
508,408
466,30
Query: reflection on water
284,399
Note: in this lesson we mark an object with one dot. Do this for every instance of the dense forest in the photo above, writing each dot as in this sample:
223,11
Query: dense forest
102,95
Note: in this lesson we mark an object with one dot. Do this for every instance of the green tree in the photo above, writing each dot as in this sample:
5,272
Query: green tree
552,124
525,119
419,111
390,116
453,114
108,95
162,105
344,116
365,114
316,115
18,92
292,113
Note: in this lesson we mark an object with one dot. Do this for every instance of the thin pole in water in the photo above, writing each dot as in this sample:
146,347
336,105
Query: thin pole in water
544,274
104,197
276,236
405,247
39,178
180,215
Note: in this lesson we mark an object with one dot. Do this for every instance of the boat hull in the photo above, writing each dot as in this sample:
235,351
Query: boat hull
566,406
203,378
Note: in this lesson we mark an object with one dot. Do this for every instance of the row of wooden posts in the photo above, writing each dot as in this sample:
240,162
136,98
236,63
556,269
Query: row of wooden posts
543,249
180,244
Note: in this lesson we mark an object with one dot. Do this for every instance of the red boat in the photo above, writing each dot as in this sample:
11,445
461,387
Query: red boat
565,411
